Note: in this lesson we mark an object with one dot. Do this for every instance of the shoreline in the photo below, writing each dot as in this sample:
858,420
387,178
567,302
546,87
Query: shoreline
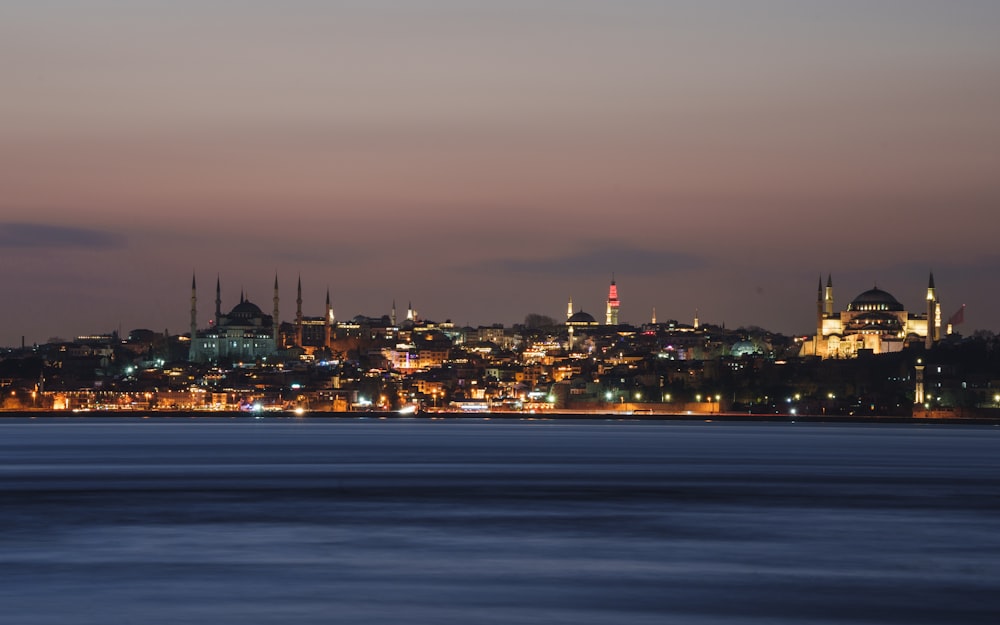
491,416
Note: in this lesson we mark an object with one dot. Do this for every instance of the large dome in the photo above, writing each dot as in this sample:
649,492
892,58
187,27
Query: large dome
875,300
246,310
581,318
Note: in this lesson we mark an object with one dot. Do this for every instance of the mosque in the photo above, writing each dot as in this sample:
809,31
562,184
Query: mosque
246,333
874,322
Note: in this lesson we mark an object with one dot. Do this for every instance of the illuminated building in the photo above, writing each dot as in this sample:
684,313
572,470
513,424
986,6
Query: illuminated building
312,332
578,320
244,334
874,321
611,315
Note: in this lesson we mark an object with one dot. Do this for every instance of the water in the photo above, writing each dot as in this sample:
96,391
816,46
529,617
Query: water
468,522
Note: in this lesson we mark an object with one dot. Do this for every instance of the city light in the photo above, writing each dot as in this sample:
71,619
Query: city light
242,362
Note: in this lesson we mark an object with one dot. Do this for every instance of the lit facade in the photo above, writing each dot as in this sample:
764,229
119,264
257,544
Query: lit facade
873,322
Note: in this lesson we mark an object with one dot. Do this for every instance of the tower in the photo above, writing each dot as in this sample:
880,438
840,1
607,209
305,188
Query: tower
653,320
194,310
569,308
918,387
611,315
392,314
819,316
828,296
298,315
276,322
218,300
327,321
933,314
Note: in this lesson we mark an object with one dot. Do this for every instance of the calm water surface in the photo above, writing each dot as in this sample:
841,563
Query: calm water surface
468,522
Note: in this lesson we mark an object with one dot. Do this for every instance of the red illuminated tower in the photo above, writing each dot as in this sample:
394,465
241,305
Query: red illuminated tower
613,304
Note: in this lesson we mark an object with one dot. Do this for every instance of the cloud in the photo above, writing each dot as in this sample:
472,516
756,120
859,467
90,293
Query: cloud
28,235
622,260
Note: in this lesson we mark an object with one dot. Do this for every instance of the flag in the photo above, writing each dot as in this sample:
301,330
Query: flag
958,317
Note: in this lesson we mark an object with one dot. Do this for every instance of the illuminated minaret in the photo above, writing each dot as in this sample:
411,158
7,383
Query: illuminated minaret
828,297
933,314
697,322
411,315
392,314
276,320
218,300
653,320
611,316
298,316
569,308
327,321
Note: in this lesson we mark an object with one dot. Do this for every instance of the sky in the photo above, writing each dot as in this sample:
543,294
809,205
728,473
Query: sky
487,160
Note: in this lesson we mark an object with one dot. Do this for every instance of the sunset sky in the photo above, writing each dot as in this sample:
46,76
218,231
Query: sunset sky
490,160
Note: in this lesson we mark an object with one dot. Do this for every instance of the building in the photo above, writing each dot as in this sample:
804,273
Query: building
874,322
611,315
245,333
310,333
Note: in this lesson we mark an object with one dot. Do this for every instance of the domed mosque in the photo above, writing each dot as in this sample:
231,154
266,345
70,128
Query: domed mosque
245,333
875,322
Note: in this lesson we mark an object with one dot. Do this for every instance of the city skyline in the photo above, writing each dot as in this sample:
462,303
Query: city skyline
487,162
289,301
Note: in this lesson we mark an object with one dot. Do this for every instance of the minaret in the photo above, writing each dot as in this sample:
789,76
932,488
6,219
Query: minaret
327,321
298,316
828,297
411,315
653,320
392,314
276,319
697,322
218,300
569,308
194,310
611,316
193,346
819,316
932,314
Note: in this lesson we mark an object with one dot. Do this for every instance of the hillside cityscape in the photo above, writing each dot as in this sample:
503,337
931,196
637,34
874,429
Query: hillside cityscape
872,358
